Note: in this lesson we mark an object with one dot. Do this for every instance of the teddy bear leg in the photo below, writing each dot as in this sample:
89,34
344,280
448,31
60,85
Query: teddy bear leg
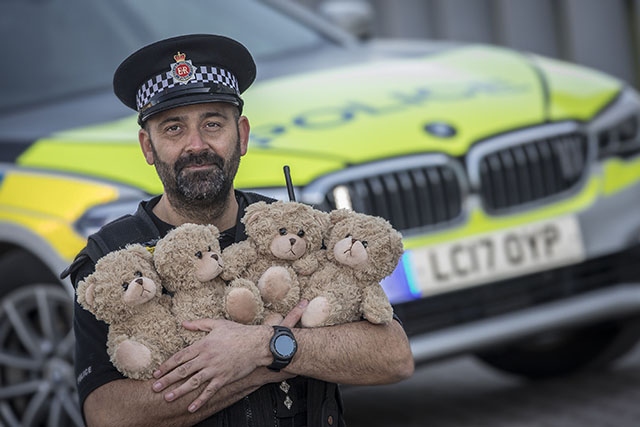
132,358
316,313
274,284
243,303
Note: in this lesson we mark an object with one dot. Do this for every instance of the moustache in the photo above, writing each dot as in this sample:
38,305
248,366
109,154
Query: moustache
200,159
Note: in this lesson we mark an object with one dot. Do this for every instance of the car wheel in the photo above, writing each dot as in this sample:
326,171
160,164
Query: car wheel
37,385
562,353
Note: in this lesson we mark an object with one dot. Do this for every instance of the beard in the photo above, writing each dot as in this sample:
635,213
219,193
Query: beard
202,194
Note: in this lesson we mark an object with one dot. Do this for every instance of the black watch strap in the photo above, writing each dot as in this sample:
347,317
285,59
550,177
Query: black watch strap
283,347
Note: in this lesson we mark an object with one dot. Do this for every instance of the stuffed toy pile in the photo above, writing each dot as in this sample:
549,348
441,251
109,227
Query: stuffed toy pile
335,260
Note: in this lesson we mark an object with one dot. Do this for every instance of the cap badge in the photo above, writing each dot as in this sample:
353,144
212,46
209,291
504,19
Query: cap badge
182,70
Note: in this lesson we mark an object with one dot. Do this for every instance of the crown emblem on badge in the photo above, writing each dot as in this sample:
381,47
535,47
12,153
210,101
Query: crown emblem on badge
182,70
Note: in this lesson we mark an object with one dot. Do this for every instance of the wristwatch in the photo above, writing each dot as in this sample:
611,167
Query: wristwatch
283,346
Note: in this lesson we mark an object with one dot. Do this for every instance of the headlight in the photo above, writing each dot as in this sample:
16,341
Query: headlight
94,218
618,129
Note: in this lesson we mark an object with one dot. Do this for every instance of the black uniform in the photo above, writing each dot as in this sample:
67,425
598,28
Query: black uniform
315,403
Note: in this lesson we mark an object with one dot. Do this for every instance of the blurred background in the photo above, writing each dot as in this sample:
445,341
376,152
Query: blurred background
600,34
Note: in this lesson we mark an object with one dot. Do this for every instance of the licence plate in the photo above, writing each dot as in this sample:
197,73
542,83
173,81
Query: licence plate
495,256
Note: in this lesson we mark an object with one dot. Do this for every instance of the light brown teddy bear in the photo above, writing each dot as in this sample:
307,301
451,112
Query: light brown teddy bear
283,242
125,292
361,251
189,262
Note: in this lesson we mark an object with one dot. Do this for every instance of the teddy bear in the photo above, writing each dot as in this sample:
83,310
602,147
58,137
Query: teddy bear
361,251
284,239
188,259
125,291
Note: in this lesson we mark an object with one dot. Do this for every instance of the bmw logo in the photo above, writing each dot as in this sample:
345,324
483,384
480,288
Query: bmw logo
440,129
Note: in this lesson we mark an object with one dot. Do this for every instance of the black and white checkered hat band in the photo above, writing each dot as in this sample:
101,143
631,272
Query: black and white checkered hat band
203,74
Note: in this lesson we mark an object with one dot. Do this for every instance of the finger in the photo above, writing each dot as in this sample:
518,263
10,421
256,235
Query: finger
205,325
211,389
178,360
196,381
293,317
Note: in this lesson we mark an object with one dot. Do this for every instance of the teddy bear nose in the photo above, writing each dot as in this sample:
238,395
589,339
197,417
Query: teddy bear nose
139,281
215,256
292,241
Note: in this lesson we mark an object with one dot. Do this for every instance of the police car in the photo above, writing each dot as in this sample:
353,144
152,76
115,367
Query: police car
514,179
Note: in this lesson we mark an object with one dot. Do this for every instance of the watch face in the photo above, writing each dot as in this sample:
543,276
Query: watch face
284,345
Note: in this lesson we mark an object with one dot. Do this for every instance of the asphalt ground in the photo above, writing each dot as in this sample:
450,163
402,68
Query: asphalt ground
462,392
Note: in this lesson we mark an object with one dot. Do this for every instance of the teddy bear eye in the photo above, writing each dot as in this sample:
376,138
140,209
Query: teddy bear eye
364,243
138,274
209,249
301,233
199,254
282,231
347,236
125,285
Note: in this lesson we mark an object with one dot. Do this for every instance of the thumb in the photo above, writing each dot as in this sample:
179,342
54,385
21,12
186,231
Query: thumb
205,325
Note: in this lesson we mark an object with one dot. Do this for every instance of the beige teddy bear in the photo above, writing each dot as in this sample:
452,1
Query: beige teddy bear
283,242
125,292
189,262
361,251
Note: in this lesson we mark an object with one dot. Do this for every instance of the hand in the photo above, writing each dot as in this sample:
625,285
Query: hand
226,354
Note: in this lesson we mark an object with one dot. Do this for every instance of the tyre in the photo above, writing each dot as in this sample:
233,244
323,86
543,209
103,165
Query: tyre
565,352
37,384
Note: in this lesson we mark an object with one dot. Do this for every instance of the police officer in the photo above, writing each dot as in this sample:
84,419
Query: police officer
186,91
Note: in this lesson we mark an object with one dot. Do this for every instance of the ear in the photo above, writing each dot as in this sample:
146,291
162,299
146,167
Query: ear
243,133
214,230
338,215
145,144
252,212
86,296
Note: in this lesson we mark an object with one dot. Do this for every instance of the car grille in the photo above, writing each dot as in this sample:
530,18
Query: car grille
508,172
533,171
480,302
411,198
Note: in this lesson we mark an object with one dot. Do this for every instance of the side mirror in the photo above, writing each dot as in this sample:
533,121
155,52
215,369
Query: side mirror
353,16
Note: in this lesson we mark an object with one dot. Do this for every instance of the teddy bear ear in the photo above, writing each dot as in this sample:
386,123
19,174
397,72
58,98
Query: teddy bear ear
140,250
214,230
86,296
252,212
338,215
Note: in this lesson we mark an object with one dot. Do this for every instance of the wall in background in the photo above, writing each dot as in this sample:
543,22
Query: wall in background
602,34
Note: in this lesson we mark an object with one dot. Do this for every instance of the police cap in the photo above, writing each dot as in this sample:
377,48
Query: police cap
184,70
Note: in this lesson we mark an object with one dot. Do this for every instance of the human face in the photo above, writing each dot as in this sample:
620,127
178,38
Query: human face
196,150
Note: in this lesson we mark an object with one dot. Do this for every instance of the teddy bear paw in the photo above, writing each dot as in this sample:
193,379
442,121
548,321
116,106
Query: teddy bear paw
242,306
316,313
132,357
274,284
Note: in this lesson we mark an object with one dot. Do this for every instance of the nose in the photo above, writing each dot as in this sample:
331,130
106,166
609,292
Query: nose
195,143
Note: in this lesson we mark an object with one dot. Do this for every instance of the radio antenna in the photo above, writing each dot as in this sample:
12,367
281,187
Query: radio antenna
287,178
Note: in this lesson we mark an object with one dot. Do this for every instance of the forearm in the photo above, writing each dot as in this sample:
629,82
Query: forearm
133,403
354,353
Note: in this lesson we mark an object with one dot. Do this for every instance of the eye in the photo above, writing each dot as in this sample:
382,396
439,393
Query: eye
138,274
282,231
347,236
209,249
199,254
125,285
301,233
364,243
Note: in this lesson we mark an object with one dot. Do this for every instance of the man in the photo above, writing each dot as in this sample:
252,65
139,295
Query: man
187,93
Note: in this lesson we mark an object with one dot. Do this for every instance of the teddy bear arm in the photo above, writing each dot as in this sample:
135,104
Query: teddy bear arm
237,258
375,305
306,266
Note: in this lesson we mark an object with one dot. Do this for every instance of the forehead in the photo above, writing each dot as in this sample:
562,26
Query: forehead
222,109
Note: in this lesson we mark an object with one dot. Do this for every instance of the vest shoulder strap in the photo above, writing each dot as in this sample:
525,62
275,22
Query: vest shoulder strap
132,228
